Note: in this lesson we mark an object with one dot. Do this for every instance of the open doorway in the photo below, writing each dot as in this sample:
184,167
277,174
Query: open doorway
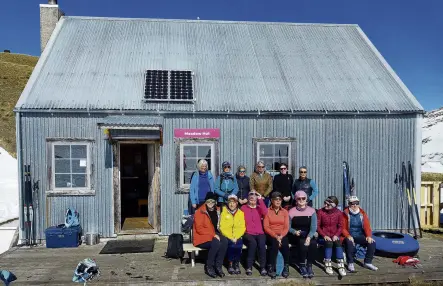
137,168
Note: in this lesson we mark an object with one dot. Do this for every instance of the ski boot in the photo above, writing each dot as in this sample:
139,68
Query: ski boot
341,267
328,267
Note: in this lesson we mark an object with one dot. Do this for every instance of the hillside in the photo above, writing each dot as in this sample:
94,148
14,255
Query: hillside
15,71
432,148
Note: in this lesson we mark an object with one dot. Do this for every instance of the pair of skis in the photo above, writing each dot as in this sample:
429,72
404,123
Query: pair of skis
348,184
29,216
406,190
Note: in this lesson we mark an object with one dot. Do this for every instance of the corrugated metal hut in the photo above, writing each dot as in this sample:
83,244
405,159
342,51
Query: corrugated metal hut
118,111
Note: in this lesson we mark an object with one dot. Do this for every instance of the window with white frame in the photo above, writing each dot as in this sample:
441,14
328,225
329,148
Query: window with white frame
273,154
190,154
71,163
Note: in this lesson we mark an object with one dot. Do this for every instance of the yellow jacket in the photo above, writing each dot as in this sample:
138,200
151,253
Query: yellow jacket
232,226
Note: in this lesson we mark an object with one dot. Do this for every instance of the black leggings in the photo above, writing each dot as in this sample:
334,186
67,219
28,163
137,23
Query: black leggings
217,250
273,249
254,242
304,252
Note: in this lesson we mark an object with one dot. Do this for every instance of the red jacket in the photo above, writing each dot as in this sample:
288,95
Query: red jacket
365,222
203,229
329,222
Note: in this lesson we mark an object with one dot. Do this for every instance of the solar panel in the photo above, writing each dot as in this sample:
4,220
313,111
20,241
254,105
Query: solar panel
174,85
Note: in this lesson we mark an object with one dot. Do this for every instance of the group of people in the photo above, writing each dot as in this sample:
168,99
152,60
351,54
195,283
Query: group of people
267,215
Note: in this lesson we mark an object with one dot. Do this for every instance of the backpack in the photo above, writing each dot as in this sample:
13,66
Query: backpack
72,218
175,246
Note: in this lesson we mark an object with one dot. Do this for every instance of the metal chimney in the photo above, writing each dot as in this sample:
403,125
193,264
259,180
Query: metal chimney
52,2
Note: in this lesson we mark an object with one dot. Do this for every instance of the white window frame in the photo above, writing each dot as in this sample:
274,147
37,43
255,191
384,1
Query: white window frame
260,158
88,166
182,145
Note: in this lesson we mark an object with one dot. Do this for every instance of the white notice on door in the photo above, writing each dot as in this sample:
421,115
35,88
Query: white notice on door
82,163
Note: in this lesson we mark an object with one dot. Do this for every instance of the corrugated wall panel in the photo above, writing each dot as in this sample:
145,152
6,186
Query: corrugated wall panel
36,128
373,146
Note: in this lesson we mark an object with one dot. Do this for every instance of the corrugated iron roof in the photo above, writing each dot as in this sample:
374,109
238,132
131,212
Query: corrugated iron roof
99,64
130,120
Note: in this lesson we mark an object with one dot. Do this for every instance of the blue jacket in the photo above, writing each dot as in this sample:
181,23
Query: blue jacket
226,188
193,192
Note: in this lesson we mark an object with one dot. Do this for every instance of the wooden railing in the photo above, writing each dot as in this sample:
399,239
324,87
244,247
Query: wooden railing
431,202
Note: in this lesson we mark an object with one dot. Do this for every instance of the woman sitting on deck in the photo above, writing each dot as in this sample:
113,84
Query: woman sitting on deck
329,227
232,226
255,210
208,236
357,229
303,221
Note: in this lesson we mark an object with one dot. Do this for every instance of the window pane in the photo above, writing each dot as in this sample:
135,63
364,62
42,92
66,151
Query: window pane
189,164
78,151
281,150
190,151
269,163
62,166
78,181
79,166
204,152
266,150
61,151
187,177
62,181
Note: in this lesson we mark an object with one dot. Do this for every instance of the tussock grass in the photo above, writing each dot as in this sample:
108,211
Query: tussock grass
15,71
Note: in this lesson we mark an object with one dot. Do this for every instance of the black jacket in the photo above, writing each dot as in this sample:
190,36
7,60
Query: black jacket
283,184
243,187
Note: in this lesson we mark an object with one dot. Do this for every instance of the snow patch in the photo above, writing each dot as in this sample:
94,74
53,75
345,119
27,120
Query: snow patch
432,148
9,208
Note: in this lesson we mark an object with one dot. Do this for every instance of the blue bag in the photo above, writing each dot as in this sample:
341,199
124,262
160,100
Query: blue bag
7,277
280,264
360,251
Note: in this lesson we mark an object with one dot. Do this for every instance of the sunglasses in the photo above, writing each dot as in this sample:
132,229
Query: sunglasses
354,204
303,172
252,194
227,167
242,171
301,199
283,169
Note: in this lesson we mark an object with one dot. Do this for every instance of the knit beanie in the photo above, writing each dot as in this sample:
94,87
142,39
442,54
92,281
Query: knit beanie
300,194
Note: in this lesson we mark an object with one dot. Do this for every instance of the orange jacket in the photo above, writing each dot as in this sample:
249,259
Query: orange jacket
276,223
203,229
365,222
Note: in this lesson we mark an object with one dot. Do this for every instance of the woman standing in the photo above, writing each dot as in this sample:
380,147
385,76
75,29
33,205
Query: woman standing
329,226
226,184
243,185
208,236
232,226
283,183
261,181
276,225
255,210
303,220
202,182
357,229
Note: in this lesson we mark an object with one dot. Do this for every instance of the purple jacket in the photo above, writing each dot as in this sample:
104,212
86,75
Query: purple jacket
254,216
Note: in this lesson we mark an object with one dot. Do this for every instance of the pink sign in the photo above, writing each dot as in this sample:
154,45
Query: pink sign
197,133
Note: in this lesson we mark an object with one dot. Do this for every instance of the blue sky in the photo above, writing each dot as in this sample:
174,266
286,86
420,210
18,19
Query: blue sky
408,33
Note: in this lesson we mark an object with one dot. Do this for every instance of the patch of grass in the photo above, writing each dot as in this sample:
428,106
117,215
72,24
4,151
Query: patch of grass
15,71
432,177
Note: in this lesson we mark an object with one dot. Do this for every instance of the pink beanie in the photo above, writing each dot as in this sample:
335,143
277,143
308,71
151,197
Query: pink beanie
300,194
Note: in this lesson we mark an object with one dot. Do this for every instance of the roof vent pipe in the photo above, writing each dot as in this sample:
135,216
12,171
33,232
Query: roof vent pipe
52,2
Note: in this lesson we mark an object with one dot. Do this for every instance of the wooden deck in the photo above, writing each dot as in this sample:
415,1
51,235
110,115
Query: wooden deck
39,265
